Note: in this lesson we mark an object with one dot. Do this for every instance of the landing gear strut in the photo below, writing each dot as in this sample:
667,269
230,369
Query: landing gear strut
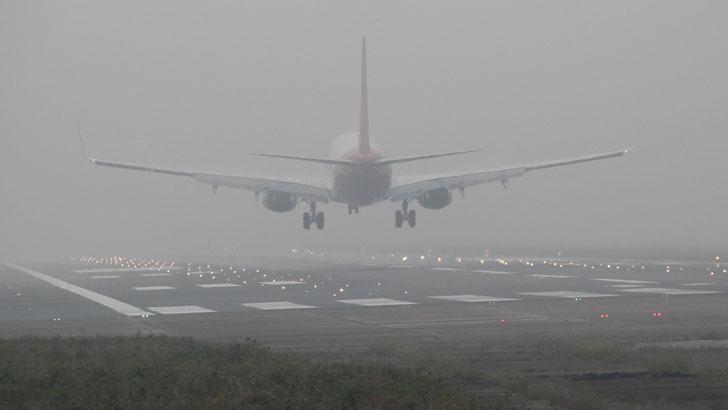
353,209
313,216
405,214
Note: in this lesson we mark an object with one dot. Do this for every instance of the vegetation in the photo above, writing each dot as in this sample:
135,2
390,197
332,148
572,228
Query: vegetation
146,372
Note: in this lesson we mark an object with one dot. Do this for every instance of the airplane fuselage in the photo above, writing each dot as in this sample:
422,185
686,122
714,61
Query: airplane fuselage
361,185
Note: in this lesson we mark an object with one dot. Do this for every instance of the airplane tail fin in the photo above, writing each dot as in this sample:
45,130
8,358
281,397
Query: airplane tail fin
364,113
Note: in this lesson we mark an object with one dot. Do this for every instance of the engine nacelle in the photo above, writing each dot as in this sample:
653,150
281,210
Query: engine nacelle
278,201
435,199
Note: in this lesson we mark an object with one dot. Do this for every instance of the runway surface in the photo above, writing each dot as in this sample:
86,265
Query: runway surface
314,302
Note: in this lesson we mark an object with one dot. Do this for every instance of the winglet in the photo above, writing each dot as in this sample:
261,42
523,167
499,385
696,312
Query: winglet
80,139
364,113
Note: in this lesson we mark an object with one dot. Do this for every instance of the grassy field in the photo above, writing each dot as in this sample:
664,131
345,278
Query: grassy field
152,372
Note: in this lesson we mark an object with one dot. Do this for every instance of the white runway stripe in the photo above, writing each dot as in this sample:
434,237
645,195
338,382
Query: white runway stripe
698,284
283,282
218,285
666,291
472,298
176,310
567,294
536,275
110,303
107,270
105,277
153,288
444,268
375,302
624,280
277,305
627,286
152,275
494,272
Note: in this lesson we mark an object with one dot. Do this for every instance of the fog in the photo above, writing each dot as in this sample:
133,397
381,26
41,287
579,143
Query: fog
198,85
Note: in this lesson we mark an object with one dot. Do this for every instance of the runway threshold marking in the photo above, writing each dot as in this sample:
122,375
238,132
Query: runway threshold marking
177,310
152,275
113,304
107,270
277,305
218,285
283,282
448,269
568,294
624,280
667,291
472,298
144,288
538,275
375,302
494,272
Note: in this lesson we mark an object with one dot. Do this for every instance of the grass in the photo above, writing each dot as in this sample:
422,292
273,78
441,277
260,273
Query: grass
151,372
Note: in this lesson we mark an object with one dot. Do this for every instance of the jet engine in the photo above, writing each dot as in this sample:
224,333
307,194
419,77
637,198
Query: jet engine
278,201
435,199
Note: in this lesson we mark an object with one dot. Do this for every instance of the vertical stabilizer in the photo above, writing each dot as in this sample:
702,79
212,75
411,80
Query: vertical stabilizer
364,114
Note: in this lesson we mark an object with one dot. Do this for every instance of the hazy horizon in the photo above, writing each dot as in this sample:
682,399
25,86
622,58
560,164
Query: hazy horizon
200,85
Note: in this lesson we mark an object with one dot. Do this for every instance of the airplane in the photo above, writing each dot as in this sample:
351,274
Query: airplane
361,175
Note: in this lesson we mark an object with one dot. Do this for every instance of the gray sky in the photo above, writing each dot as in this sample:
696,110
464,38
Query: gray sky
199,84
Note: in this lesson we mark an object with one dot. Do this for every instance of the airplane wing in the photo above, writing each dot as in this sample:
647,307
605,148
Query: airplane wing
461,181
301,190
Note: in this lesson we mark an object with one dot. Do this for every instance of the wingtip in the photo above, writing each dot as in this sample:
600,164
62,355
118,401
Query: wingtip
80,139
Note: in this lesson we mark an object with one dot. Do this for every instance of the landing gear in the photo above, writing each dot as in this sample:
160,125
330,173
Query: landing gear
353,209
313,216
409,215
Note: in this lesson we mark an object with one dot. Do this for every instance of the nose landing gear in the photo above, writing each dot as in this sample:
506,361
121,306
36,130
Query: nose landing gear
313,216
409,215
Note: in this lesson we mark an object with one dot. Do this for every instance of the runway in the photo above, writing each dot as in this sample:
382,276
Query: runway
320,303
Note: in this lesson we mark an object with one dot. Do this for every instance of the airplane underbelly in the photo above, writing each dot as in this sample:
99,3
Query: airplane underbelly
362,186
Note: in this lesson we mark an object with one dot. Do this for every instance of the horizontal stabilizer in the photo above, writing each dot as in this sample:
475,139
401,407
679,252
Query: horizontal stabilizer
388,161
327,161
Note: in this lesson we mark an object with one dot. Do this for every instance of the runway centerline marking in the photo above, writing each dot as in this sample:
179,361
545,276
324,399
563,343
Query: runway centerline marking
177,310
472,298
218,285
624,280
116,305
667,291
153,288
277,305
568,294
375,302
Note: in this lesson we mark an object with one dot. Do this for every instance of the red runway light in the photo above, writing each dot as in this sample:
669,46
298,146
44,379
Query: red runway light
503,320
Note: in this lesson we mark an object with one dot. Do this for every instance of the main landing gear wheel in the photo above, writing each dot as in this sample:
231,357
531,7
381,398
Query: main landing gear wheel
411,218
313,217
306,220
405,215
398,219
